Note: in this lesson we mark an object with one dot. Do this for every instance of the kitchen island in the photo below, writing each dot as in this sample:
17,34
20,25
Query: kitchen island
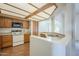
49,46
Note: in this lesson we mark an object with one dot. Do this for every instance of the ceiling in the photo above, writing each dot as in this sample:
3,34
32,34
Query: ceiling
28,11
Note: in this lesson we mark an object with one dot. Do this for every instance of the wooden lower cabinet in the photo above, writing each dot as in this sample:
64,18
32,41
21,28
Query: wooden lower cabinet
26,38
6,41
0,41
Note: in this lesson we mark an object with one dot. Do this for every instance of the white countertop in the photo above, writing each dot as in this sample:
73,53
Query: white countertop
53,39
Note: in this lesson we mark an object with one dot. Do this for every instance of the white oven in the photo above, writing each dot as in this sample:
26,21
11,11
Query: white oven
18,39
18,36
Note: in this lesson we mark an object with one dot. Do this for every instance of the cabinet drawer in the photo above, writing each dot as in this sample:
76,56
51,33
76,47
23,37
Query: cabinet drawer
7,38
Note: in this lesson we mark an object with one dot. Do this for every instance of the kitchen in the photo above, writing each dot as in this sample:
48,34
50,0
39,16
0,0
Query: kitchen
23,26
13,32
17,25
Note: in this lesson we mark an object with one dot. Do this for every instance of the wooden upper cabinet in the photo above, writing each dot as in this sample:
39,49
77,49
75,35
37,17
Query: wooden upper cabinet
26,24
1,22
7,23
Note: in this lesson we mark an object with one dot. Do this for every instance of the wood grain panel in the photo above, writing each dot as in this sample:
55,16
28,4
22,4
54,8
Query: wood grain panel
7,38
6,41
7,23
26,38
26,24
7,44
0,41
1,22
35,28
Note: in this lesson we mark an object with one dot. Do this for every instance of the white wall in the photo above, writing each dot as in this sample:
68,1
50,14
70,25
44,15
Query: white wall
68,28
76,21
76,28
65,18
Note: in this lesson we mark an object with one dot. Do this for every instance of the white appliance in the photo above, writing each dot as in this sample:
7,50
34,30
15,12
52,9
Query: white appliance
18,36
18,39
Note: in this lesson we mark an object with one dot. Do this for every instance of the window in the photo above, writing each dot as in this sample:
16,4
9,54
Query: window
45,26
59,23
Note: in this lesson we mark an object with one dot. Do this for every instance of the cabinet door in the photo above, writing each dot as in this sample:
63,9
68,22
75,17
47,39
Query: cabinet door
26,24
1,22
26,38
7,41
0,41
7,23
35,27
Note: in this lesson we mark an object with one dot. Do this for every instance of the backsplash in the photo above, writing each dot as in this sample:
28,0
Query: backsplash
26,30
5,30
8,31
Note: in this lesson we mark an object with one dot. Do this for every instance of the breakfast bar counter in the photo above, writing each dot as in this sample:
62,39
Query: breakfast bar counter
50,46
